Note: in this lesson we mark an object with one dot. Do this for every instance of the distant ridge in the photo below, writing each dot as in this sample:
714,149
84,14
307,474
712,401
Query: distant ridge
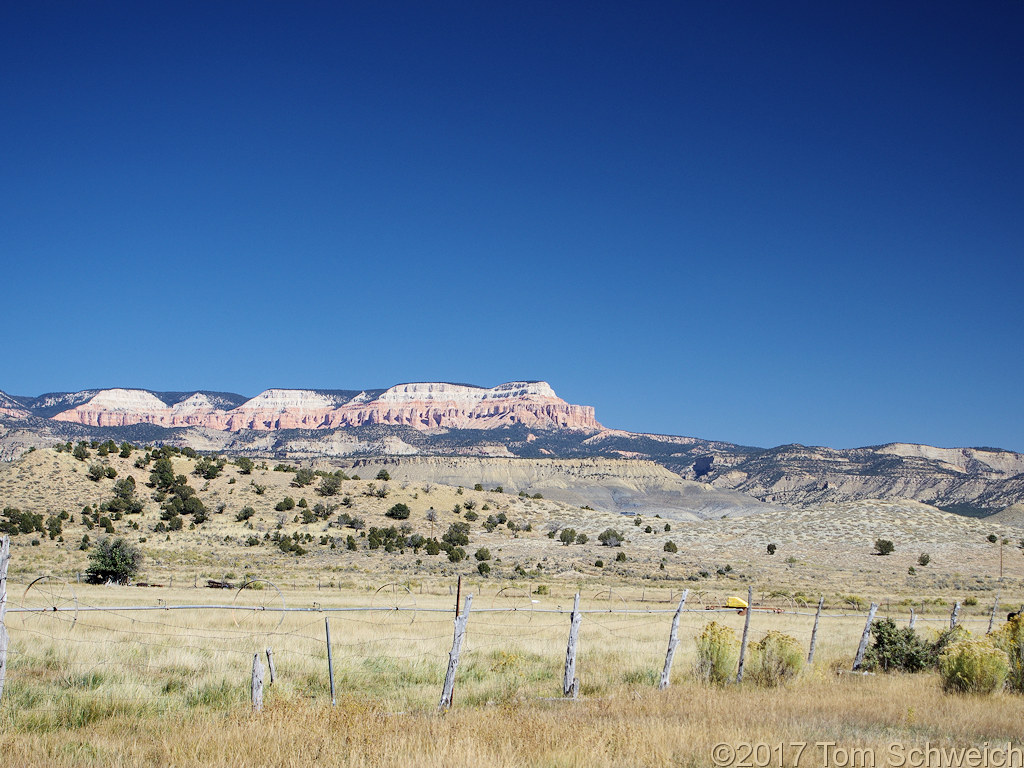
421,405
519,419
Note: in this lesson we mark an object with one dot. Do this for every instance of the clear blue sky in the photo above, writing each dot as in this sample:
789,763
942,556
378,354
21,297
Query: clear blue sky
756,222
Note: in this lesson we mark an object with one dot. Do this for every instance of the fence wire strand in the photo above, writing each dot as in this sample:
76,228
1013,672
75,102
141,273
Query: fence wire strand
88,648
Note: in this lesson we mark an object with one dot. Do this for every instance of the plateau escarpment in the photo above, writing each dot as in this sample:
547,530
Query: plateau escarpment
524,420
422,406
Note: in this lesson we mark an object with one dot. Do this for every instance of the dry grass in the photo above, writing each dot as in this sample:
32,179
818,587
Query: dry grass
171,687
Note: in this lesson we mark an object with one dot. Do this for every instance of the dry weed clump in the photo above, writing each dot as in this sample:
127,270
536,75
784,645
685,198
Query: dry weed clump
776,659
1010,639
718,652
973,666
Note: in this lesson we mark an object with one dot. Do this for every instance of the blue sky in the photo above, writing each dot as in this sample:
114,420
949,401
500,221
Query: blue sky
756,222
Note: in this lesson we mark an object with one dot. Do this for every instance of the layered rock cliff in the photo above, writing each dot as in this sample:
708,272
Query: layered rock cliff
423,406
11,407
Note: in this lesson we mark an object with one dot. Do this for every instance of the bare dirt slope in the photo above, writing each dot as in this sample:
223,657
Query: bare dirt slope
613,485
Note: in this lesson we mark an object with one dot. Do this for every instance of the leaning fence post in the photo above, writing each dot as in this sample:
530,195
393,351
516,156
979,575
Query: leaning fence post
954,615
448,692
330,659
814,631
862,648
5,558
257,683
746,631
571,683
992,616
270,665
673,641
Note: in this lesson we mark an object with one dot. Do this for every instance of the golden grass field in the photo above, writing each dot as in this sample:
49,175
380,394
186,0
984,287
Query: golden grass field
171,687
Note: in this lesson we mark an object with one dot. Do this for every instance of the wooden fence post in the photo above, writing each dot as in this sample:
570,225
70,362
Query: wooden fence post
270,665
571,683
862,648
814,631
954,615
257,683
992,616
448,692
746,632
913,618
5,558
330,659
673,641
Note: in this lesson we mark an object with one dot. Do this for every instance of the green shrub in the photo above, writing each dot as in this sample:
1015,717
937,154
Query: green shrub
718,652
14,521
973,666
897,649
303,477
884,546
398,512
114,560
670,546
457,535
611,538
329,486
775,660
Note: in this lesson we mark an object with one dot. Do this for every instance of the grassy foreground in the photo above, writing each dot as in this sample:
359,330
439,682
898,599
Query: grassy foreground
629,727
171,688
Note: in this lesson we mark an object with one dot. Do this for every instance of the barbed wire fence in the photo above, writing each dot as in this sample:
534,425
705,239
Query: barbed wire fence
145,655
